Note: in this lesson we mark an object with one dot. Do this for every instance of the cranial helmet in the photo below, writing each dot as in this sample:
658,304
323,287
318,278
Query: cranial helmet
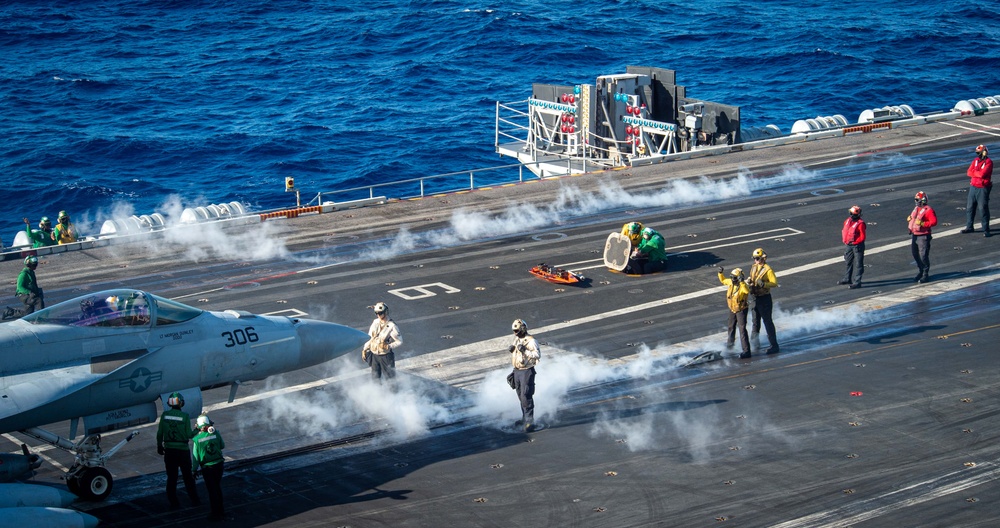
175,400
982,150
854,210
736,273
647,233
519,327
380,308
31,261
203,420
759,253
920,198
634,227
45,223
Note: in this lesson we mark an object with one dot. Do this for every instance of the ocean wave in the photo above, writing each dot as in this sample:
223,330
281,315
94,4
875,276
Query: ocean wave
218,101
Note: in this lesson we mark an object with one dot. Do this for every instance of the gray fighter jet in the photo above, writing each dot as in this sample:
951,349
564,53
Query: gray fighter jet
104,358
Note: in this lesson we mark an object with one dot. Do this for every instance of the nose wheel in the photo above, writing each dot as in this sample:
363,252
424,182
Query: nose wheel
90,483
88,478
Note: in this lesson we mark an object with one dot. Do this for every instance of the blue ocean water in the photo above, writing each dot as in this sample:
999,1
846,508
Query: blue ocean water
117,106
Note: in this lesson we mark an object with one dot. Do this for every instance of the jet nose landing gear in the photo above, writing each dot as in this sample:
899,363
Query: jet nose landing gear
90,483
87,478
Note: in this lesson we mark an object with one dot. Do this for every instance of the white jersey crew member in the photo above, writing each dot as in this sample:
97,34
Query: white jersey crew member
383,337
524,355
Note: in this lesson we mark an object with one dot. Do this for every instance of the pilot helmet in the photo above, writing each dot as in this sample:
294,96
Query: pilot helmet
112,301
380,308
176,400
203,420
31,261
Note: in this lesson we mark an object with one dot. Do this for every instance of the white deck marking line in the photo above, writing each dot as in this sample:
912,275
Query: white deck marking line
463,356
482,355
911,495
985,130
787,231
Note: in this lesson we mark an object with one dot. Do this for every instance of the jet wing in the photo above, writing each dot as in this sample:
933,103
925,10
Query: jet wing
24,392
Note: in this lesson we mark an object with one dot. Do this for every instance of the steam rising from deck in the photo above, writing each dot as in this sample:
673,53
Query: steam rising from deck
619,412
572,202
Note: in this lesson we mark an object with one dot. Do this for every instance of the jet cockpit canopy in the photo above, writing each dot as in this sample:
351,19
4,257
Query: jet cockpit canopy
114,308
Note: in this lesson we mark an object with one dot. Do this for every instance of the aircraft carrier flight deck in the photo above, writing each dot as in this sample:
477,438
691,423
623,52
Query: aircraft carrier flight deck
879,410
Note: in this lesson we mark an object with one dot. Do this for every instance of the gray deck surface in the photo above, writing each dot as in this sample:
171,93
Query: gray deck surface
879,411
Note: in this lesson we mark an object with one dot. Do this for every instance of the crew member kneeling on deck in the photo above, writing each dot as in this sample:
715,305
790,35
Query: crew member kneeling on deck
633,231
524,355
27,291
650,256
384,335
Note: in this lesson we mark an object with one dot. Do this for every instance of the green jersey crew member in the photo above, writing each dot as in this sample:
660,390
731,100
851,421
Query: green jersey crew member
207,454
41,237
27,291
172,436
651,254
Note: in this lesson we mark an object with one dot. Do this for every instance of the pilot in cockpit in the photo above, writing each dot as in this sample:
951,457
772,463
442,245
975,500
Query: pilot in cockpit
101,312
135,310
115,311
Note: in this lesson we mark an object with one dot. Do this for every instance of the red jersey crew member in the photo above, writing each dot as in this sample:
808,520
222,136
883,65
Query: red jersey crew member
980,175
737,294
920,222
853,236
524,355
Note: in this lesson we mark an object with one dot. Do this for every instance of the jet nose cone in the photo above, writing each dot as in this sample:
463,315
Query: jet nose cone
321,341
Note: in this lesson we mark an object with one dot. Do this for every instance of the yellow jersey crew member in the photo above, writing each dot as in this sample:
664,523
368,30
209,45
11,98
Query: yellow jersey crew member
383,337
633,231
762,279
207,454
524,355
64,232
737,294
172,436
